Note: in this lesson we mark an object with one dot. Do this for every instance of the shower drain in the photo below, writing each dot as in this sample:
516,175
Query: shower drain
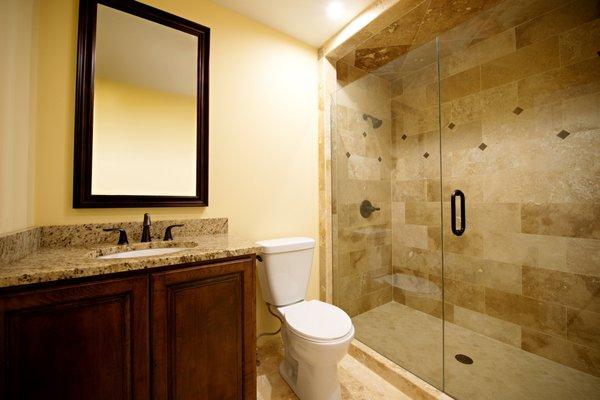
461,358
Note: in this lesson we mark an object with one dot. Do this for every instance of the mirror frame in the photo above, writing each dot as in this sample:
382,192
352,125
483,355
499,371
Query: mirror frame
84,109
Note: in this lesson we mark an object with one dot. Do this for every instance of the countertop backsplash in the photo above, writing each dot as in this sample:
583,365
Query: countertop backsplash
20,244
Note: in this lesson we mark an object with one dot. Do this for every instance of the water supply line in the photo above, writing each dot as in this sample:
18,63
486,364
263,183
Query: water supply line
280,324
259,259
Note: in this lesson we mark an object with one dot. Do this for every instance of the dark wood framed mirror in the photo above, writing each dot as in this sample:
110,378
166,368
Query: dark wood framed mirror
141,112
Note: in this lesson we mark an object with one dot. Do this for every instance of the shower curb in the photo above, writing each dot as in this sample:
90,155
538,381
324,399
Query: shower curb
406,382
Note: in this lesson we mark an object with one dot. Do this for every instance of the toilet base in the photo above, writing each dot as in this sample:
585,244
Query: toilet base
309,382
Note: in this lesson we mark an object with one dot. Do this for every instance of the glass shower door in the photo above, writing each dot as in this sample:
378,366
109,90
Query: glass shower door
520,139
387,266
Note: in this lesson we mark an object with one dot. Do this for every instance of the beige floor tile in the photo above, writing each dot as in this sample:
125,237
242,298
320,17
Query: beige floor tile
413,340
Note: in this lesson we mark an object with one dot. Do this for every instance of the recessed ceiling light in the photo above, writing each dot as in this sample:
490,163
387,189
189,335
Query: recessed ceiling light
336,10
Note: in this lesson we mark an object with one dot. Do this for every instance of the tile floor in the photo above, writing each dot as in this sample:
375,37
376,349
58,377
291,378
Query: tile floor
413,340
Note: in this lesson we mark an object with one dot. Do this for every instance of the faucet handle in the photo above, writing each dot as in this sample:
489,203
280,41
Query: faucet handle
146,235
168,233
122,234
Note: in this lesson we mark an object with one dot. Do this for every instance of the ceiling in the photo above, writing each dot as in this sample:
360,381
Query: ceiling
306,20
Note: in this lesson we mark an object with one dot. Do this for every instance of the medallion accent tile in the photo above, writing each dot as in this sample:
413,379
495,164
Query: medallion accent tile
482,146
451,125
364,134
563,134
518,110
347,154
426,155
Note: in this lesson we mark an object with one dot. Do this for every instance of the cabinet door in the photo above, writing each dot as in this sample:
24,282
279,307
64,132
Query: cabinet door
203,332
86,341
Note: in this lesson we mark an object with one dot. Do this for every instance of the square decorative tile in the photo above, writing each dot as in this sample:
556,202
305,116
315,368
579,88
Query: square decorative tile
426,155
563,134
347,154
518,110
451,125
379,158
404,137
365,134
483,146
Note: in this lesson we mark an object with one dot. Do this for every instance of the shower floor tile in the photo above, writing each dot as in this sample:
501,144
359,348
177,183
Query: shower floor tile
358,381
413,340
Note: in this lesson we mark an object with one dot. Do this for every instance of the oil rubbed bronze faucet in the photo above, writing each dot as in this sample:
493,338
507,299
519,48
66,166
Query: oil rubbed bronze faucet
146,236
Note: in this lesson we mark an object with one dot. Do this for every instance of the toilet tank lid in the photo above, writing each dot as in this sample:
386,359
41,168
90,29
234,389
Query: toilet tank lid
282,245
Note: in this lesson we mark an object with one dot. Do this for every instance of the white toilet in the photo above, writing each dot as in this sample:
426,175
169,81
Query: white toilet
316,335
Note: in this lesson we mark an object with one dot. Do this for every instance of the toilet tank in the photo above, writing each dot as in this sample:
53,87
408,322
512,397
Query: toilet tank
284,272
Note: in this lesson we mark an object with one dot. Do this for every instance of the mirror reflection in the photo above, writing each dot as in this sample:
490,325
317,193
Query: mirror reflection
144,118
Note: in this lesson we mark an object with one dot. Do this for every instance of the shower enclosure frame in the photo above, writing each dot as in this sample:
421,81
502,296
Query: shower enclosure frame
329,179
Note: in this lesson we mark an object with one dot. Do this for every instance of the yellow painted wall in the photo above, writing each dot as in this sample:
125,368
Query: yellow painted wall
153,131
17,119
263,127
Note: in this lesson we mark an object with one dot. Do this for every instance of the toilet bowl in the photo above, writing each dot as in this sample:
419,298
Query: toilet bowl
316,335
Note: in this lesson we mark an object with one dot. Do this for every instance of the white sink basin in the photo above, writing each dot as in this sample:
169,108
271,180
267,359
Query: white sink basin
144,253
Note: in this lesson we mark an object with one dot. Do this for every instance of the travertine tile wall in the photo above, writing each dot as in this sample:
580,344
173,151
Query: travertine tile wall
520,118
327,86
361,155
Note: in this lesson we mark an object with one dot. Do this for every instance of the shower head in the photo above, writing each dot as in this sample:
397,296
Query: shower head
374,121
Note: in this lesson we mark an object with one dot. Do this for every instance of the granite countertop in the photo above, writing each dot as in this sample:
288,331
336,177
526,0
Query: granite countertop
60,263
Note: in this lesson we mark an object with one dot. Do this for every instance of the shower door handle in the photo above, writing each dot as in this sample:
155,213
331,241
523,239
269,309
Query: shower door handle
463,222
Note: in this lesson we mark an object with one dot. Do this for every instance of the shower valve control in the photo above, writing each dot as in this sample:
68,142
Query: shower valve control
366,209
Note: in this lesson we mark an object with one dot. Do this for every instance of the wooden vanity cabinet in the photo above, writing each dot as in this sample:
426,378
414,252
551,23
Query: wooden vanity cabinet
203,332
181,333
85,341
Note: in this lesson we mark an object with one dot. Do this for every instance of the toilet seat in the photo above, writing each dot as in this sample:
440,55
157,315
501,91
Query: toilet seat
317,321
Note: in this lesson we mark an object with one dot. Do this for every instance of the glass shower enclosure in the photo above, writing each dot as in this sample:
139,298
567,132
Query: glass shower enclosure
466,197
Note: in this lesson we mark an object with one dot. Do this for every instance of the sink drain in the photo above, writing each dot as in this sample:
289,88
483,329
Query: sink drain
461,358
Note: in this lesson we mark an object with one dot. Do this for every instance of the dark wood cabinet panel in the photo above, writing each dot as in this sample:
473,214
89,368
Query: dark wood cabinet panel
187,332
86,341
203,332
